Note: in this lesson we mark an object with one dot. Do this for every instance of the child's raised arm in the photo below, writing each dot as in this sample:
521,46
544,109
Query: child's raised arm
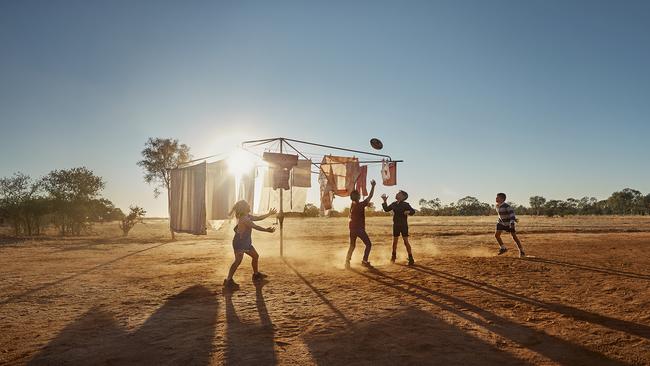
262,217
269,229
384,205
372,191
249,222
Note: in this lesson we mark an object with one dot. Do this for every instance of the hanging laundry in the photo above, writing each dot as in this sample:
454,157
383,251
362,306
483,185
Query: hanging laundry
293,200
187,195
351,175
301,174
361,182
326,193
389,172
336,169
281,165
221,190
247,186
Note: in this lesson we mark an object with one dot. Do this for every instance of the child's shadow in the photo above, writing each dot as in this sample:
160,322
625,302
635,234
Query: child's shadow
249,343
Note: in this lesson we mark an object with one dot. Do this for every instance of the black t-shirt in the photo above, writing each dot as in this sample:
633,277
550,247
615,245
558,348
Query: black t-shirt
398,209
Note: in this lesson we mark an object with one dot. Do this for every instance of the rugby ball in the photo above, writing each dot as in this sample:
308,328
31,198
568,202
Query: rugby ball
376,144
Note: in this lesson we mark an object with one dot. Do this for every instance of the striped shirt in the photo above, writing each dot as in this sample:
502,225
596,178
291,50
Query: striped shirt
506,214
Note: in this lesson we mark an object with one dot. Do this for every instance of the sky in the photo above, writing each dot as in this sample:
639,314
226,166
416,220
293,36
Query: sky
546,98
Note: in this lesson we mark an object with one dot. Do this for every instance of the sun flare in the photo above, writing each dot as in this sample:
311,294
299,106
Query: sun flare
240,163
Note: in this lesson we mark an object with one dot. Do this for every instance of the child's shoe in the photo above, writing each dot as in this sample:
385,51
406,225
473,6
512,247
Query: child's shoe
259,276
230,285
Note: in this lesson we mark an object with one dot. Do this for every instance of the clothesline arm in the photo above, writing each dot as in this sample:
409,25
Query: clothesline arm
338,148
286,140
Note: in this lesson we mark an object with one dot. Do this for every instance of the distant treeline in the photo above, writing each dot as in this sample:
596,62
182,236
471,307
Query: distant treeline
68,200
625,202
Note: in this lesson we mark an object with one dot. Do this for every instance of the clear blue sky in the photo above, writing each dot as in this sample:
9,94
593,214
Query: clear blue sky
526,97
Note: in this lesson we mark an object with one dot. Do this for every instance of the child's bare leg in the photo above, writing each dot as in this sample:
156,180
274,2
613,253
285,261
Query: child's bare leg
518,242
366,241
233,267
353,240
497,236
255,259
394,255
407,245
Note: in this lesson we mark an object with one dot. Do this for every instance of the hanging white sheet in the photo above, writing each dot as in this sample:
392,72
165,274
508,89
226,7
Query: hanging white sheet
294,199
220,190
187,210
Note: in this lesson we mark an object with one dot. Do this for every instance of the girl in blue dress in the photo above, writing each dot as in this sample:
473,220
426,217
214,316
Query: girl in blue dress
242,242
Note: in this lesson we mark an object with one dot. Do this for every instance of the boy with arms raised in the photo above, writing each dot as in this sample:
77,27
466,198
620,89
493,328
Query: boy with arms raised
358,225
401,211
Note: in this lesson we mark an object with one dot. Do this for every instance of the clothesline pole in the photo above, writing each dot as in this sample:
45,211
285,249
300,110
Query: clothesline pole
281,212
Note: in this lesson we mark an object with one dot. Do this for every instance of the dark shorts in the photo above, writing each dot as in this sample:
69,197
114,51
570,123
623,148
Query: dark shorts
242,246
402,230
508,229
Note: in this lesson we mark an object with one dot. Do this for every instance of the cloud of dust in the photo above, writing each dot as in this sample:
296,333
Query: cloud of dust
480,252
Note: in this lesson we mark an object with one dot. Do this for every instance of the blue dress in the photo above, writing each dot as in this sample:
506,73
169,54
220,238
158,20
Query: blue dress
242,241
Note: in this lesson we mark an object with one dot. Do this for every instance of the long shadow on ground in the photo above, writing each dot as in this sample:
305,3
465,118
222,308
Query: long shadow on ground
552,347
249,344
636,329
586,267
181,332
20,296
411,337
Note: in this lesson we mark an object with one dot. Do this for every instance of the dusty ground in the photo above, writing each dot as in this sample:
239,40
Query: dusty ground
583,300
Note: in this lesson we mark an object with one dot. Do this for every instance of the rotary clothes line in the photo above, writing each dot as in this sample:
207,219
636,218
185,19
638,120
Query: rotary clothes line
337,175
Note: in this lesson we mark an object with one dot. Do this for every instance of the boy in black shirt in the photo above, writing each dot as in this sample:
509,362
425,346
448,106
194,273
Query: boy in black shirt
401,211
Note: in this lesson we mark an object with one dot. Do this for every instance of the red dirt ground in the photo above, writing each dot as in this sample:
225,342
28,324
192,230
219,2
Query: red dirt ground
582,300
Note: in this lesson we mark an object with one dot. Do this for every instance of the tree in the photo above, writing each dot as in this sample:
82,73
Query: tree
429,207
571,206
554,207
103,210
159,157
471,206
72,192
646,204
537,204
333,213
135,216
588,206
311,210
627,201
17,194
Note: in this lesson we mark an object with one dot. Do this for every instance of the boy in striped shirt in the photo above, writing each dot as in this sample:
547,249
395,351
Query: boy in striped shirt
506,223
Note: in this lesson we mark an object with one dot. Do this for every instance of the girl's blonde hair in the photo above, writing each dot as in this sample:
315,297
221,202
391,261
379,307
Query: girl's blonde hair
240,209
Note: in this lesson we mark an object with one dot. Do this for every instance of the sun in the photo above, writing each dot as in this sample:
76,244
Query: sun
240,163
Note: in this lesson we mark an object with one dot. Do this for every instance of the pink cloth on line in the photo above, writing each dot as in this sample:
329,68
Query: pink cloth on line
389,173
360,184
